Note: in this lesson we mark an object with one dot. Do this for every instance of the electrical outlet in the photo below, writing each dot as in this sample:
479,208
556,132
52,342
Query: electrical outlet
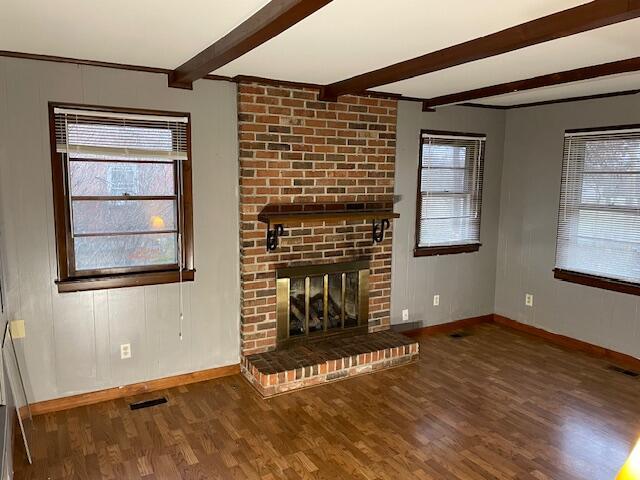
125,351
528,300
436,300
17,329
405,315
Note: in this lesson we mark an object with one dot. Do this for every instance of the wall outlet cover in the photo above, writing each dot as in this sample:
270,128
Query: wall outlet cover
436,300
125,351
17,329
528,300
405,315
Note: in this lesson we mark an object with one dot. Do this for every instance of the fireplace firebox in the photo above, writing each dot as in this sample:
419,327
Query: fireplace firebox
317,301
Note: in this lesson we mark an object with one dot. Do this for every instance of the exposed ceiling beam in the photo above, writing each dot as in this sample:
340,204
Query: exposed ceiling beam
270,21
575,99
568,76
595,14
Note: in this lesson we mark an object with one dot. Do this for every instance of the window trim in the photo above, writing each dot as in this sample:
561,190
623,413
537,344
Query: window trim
122,277
446,249
589,280
422,251
596,281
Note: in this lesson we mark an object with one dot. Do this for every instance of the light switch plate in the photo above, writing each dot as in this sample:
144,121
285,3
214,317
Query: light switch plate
17,329
405,315
436,300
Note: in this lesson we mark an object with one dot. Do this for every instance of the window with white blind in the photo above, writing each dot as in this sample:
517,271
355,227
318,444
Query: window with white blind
122,196
599,215
449,200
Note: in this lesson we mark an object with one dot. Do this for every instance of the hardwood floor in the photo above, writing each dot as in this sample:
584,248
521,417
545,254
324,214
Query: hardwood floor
493,405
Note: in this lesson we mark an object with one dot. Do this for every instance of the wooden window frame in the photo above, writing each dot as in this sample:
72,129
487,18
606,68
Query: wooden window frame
99,279
421,251
596,281
605,283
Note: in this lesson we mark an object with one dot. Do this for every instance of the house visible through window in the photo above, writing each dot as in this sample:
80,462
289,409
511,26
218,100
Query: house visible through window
122,193
599,216
449,192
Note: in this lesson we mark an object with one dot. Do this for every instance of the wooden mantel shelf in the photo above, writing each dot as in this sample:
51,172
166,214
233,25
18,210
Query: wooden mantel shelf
276,220
295,218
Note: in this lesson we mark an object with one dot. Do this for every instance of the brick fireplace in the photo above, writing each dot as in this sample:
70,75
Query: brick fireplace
305,154
295,149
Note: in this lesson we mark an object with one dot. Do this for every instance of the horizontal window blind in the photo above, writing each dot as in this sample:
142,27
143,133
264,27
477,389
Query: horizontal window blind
450,194
96,135
599,215
123,179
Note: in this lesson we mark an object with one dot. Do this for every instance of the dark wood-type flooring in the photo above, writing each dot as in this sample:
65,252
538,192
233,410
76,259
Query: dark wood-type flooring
492,405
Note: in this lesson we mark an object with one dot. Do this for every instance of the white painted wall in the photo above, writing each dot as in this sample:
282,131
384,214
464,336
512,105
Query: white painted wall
529,211
466,281
72,342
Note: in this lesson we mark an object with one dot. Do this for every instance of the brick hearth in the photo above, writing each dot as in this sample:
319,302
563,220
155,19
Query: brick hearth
327,360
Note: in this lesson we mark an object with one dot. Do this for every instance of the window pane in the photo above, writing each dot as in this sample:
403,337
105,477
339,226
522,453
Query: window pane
103,178
443,156
112,216
446,207
125,251
616,226
604,258
612,154
444,180
451,189
599,220
450,231
621,190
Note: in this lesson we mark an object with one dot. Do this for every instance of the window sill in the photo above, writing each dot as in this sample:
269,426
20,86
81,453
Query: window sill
598,282
126,280
446,250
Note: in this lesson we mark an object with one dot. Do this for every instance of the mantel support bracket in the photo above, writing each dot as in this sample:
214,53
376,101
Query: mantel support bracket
378,229
273,235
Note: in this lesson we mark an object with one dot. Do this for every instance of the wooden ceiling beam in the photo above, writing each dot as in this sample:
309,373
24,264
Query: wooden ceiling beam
589,16
271,20
568,76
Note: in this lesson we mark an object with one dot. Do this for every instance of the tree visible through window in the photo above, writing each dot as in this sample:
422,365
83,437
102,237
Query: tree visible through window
122,189
449,192
599,216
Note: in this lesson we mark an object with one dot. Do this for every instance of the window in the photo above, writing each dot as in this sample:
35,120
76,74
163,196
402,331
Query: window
449,197
122,197
598,241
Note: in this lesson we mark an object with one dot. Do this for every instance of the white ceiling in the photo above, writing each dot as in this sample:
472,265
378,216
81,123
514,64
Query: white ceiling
344,38
152,33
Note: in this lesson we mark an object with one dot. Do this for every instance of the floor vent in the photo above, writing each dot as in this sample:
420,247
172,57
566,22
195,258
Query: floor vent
147,403
624,371
459,335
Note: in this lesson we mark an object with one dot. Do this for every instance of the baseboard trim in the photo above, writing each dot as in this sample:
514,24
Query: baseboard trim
65,403
570,343
449,327
83,399
561,340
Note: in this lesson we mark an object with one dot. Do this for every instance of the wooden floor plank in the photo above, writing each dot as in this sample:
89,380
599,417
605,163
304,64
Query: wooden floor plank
492,405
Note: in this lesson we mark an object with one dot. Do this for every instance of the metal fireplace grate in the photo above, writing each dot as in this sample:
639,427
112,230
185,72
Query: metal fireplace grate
321,300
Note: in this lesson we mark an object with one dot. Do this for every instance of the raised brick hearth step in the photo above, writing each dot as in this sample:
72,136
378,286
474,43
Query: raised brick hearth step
327,360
